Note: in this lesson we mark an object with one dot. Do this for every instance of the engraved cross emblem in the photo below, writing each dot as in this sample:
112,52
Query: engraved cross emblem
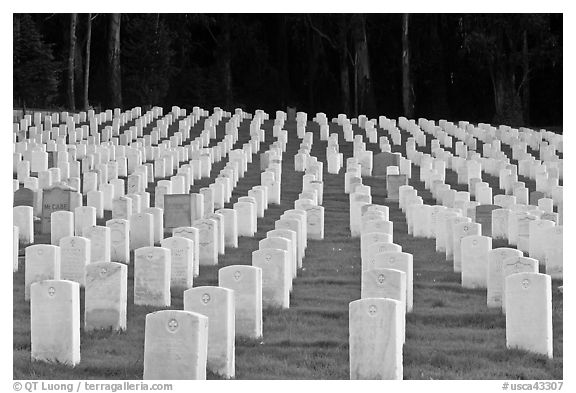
237,275
372,310
381,278
103,272
51,291
268,257
525,283
205,298
172,325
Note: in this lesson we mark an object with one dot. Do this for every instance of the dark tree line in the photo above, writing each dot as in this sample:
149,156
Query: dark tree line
500,68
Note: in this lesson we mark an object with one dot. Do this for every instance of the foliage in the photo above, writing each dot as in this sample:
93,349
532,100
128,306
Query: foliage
146,59
497,39
463,66
36,75
511,48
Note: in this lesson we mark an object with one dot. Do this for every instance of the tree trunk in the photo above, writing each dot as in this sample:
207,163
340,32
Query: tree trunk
364,93
16,28
284,73
87,61
507,101
71,54
343,60
16,58
313,44
227,62
115,77
407,101
525,79
441,74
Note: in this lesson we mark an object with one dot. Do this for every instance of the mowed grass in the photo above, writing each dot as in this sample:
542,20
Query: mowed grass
451,334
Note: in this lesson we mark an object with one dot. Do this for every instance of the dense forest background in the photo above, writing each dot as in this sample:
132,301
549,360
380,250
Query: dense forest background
497,68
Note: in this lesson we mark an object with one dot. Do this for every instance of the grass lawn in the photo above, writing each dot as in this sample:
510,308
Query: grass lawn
450,334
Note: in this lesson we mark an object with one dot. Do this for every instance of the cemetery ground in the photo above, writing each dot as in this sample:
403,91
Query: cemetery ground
450,334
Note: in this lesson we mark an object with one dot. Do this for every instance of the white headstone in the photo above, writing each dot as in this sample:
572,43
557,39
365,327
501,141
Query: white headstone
61,225
554,252
375,339
141,230
368,239
84,216
175,345
74,257
23,218
245,212
275,276
474,251
42,262
230,227
295,220
99,243
500,223
152,276
218,305
96,200
529,312
15,248
374,222
194,235
495,285
538,240
106,296
460,231
246,282
157,222
386,283
119,240
377,248
182,259
315,222
399,261
55,321
208,241
356,203
515,265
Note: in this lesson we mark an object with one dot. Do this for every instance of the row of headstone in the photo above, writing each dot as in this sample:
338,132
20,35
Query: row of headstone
184,344
94,199
152,282
77,250
234,308
493,218
496,163
377,321
506,273
61,206
477,212
58,339
105,287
